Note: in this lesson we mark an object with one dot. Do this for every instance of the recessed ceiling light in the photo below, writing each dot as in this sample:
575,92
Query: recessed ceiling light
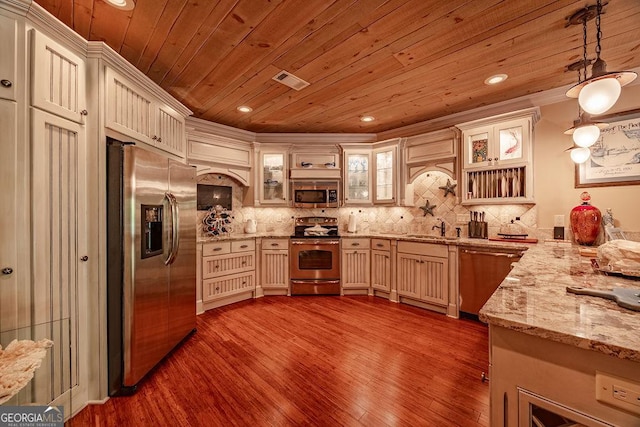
122,4
495,79
367,118
244,109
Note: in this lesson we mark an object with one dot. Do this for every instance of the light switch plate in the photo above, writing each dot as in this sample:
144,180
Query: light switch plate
558,220
620,392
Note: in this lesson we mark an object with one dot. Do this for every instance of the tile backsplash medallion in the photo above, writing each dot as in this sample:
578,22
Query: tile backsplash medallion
395,219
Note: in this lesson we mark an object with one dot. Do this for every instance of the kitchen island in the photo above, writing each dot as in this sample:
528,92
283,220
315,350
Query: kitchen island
553,352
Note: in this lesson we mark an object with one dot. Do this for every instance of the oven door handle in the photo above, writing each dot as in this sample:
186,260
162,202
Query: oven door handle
315,242
302,282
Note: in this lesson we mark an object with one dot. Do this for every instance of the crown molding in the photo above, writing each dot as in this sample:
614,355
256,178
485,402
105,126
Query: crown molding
198,125
48,24
19,7
315,138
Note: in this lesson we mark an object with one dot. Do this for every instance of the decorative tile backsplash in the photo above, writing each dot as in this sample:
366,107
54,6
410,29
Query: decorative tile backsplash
396,219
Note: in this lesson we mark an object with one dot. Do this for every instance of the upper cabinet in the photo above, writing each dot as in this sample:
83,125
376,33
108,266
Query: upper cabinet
135,112
272,180
58,79
8,61
385,166
357,177
497,160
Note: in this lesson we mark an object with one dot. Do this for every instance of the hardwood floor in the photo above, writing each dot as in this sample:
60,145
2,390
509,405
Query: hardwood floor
314,361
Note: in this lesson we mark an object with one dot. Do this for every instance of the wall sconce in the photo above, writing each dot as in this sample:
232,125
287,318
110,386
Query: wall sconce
600,92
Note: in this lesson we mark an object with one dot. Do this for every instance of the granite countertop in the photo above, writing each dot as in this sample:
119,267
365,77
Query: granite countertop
533,300
242,236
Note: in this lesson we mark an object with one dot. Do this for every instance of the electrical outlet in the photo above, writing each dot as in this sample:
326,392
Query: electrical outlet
462,218
558,220
620,392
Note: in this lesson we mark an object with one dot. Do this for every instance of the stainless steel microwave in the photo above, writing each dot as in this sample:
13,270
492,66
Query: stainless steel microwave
315,194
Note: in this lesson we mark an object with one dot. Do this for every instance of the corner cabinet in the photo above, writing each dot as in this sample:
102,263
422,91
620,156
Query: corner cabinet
497,158
134,112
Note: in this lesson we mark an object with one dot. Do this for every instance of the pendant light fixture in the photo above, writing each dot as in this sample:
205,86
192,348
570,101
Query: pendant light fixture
600,92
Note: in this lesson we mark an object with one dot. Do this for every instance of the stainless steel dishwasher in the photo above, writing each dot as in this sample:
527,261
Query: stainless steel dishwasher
480,272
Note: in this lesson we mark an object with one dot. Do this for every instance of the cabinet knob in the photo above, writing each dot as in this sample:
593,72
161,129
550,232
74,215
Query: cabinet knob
6,83
244,262
84,258
217,288
84,113
159,139
7,270
154,137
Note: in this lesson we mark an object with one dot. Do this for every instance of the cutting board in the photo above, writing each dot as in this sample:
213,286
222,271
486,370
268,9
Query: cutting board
624,297
502,239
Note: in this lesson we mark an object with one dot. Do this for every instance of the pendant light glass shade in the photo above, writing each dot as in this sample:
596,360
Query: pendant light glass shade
599,95
586,136
580,155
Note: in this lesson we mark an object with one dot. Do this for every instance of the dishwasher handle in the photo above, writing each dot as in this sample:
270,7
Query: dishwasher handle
498,254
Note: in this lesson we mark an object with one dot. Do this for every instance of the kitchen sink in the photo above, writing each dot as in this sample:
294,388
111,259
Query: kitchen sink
430,237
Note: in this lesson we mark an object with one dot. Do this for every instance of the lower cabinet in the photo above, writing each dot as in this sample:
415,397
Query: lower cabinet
355,265
380,265
228,272
423,274
274,266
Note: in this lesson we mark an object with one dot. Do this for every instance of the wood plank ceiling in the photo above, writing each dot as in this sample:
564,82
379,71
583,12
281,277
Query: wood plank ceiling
401,61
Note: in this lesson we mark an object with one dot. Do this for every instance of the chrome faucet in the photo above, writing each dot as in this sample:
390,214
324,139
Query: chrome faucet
441,227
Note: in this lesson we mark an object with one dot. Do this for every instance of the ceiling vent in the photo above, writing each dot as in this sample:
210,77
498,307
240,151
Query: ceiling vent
290,80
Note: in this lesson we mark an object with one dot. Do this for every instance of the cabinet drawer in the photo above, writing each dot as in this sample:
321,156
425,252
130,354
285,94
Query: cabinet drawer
380,244
275,244
243,245
217,248
218,288
215,266
355,243
429,249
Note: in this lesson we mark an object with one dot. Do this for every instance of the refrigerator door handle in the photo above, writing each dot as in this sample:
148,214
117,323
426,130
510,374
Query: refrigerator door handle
175,229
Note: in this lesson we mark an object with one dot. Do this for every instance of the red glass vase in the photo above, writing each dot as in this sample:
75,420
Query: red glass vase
585,221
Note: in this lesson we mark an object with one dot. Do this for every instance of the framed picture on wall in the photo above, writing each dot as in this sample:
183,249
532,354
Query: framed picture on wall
615,157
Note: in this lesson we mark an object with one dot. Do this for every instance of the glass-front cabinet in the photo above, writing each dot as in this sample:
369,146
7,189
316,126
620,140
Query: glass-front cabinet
358,177
498,145
273,178
385,175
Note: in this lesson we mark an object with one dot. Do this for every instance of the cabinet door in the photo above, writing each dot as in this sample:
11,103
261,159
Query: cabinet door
511,142
409,275
357,183
381,270
170,135
385,175
275,269
477,147
8,58
355,268
130,111
59,247
273,178
58,79
434,272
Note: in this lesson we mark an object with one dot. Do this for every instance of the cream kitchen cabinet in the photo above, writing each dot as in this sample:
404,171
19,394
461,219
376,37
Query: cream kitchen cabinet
423,274
272,178
358,177
385,179
274,266
228,272
10,33
355,265
58,79
497,158
380,265
135,112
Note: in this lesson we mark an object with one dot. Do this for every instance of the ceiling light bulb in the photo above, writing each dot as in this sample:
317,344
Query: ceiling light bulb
600,95
586,136
580,155
495,79
367,118
245,109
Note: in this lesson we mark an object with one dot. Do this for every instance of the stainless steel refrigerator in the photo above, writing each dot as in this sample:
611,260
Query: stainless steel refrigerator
151,260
